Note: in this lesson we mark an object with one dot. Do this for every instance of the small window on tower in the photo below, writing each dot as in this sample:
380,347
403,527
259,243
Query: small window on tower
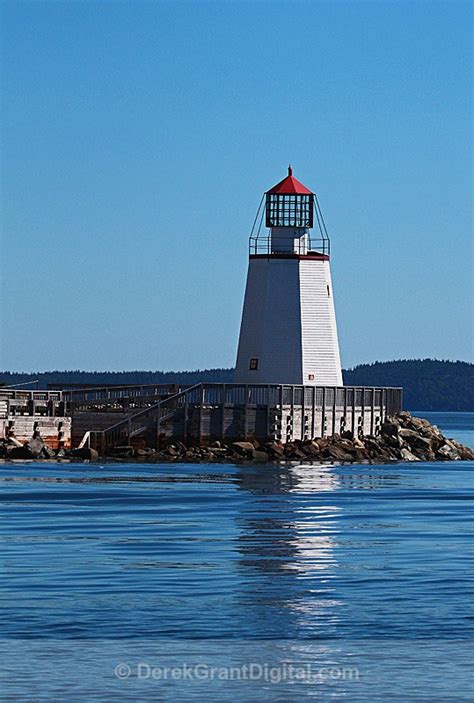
311,377
253,366
329,293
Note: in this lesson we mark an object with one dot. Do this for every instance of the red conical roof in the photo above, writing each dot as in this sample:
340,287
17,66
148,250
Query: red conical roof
289,186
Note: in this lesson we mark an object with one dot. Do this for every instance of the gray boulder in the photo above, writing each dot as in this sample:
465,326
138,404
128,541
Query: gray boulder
48,453
407,455
275,448
449,451
415,440
390,428
464,452
36,447
244,449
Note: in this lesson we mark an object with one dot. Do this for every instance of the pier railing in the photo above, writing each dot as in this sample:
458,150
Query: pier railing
103,398
280,394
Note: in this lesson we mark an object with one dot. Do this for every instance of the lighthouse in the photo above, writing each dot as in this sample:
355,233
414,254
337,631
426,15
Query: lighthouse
288,333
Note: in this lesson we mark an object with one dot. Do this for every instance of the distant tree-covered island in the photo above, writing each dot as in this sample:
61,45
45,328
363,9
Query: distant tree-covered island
428,384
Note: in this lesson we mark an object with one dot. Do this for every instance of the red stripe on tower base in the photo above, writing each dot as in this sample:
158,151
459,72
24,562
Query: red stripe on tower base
313,256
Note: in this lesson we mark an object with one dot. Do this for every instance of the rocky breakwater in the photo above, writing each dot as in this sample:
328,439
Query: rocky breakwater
402,438
11,449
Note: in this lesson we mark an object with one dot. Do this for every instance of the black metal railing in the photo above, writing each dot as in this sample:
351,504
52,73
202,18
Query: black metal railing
265,244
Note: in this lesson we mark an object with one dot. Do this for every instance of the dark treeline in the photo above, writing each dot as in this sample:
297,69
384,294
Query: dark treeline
106,378
428,384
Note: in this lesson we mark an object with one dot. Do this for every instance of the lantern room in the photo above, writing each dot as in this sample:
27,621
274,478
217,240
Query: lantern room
291,211
289,204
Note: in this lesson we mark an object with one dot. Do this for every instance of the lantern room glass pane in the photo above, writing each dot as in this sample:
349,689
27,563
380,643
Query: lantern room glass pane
289,210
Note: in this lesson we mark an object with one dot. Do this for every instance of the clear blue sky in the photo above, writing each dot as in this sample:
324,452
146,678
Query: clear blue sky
138,138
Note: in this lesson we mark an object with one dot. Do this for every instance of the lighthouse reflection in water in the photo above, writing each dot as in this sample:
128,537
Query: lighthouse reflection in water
289,538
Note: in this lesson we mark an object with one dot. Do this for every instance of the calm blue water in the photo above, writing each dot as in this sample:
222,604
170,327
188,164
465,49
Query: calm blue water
238,583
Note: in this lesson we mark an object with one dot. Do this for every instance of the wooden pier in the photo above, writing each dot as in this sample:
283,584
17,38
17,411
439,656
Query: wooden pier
207,412
154,415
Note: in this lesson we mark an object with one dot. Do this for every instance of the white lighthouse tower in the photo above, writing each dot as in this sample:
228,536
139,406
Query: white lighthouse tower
288,333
